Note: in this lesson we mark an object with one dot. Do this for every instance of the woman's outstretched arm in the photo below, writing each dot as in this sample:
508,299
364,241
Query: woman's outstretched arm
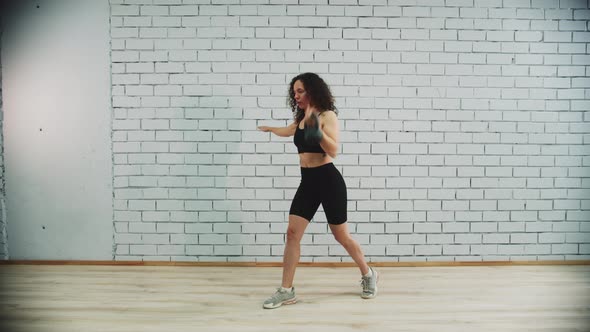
280,131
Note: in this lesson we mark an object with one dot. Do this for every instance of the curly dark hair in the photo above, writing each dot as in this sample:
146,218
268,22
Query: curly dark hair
318,91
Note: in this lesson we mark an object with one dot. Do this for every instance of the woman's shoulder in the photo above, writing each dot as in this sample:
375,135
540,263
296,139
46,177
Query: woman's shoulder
328,114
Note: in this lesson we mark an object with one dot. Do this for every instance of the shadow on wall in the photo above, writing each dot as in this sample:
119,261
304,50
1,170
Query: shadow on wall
57,157
10,12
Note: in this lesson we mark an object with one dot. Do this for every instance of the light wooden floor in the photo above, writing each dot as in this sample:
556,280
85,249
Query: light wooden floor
167,298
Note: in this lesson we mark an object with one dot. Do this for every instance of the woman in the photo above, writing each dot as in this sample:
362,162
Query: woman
315,130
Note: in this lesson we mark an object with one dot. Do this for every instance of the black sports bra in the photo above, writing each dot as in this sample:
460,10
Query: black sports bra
302,145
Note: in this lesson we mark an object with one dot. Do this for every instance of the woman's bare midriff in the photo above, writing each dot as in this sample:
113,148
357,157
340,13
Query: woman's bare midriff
312,159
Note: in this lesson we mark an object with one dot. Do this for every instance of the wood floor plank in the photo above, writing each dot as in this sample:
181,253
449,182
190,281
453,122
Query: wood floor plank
182,298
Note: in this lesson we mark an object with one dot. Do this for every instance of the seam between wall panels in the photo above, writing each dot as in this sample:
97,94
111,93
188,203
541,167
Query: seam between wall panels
111,123
3,221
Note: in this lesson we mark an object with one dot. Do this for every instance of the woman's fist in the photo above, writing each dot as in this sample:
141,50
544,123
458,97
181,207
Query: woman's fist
311,131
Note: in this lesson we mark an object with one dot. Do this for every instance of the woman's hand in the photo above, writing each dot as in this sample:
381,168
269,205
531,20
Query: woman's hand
312,132
264,128
310,116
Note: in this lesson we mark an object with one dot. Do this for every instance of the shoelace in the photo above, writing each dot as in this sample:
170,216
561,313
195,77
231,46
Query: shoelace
277,294
365,284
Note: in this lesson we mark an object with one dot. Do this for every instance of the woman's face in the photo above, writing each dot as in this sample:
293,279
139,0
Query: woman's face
301,97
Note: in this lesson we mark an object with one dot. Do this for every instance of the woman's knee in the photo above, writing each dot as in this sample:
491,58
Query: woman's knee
293,235
343,239
296,228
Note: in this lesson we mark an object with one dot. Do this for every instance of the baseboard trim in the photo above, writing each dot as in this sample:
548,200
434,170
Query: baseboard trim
278,264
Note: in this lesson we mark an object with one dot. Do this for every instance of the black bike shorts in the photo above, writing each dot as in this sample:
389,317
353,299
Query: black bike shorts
323,184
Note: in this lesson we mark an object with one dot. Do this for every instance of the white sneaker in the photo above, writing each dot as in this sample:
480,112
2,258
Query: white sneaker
369,285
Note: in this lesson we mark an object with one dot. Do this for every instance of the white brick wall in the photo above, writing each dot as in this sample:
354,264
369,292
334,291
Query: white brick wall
465,127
